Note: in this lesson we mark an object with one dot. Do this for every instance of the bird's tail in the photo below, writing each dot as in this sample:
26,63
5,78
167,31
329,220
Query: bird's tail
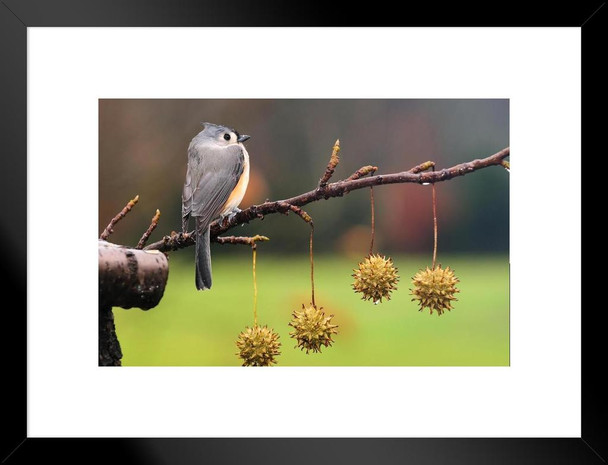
203,256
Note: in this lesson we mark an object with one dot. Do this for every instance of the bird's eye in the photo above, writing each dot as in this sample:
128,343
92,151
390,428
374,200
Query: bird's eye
226,136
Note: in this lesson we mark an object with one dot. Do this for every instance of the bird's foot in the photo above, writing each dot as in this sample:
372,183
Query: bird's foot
227,217
233,213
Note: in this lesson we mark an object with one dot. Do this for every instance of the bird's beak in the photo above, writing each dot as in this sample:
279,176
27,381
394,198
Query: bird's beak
243,138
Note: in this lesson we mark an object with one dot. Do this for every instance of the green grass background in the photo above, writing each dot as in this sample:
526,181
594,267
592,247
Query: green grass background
192,328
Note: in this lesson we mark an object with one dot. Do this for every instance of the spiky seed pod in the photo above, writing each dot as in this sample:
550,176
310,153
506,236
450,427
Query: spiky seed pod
435,288
376,278
258,346
312,329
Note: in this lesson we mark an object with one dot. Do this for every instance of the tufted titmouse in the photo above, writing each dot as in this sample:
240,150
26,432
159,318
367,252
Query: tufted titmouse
216,181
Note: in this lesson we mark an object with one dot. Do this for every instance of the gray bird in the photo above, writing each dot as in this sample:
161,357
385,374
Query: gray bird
216,181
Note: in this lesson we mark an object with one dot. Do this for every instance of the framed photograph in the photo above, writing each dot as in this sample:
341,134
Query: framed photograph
421,300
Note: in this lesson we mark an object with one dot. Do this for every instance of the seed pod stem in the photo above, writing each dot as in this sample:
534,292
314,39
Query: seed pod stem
434,225
371,245
255,286
312,268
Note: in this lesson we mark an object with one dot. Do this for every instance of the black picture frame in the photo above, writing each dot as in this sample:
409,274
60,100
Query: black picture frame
17,15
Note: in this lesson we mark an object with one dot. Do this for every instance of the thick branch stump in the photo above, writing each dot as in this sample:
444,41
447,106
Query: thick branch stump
109,347
127,278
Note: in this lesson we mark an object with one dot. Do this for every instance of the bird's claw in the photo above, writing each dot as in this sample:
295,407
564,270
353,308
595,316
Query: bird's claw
231,214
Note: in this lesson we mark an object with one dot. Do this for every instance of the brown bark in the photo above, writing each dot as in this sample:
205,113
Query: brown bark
127,278
130,277
109,347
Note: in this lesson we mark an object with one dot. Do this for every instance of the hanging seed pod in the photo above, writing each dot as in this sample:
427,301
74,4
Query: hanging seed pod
375,278
312,329
434,288
258,346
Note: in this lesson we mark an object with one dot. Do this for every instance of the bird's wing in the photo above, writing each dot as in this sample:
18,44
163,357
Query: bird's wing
219,171
187,199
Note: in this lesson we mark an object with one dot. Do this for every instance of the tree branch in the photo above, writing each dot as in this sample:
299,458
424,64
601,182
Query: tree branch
331,166
110,227
110,353
336,189
427,165
144,239
130,277
363,171
241,240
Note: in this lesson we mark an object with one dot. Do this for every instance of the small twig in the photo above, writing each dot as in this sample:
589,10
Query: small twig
331,166
172,242
152,227
110,227
241,240
427,165
363,171
284,207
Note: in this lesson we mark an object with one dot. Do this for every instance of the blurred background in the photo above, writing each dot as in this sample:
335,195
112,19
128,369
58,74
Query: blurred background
143,150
